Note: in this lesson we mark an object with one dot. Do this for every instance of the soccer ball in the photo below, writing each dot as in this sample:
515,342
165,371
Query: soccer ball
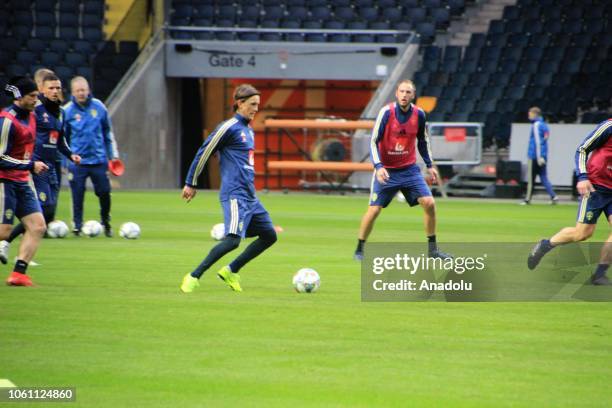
57,229
218,232
129,230
306,280
92,228
400,197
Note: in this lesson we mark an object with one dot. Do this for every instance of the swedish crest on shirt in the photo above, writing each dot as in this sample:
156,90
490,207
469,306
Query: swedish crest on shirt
94,113
243,136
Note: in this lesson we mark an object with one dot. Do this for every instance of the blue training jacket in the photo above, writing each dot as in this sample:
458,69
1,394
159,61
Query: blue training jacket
234,139
88,129
538,140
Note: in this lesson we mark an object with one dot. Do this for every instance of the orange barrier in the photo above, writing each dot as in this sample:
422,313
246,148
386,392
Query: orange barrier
319,166
318,124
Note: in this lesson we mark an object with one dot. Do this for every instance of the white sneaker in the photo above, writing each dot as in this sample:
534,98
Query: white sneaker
4,250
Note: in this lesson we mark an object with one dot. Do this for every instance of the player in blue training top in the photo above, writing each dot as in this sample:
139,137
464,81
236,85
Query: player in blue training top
537,155
594,171
400,128
49,140
87,127
243,214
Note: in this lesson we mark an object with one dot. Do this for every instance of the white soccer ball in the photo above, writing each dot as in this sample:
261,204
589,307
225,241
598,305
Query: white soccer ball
400,197
306,280
129,230
218,231
92,228
57,229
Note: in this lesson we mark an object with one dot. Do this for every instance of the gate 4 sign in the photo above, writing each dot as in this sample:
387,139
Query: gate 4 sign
231,61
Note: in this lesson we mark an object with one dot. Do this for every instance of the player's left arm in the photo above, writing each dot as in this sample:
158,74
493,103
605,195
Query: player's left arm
595,139
109,137
424,146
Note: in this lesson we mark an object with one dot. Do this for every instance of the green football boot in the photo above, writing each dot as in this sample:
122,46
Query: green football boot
189,283
232,279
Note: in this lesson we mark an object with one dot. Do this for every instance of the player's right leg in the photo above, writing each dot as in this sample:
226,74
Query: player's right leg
102,188
234,223
380,197
77,176
7,215
589,210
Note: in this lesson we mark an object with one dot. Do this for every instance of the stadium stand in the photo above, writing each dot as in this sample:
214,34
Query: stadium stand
529,57
64,35
425,16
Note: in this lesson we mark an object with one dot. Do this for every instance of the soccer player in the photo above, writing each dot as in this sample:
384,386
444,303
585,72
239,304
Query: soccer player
88,128
17,196
537,155
243,214
593,158
49,139
399,130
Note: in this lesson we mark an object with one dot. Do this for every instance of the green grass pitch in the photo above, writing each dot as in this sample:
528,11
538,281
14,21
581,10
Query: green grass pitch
107,316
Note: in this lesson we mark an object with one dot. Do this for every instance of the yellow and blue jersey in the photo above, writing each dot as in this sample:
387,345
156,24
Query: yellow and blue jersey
234,140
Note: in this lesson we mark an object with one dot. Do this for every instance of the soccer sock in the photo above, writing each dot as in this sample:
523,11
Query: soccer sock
230,243
546,245
20,266
18,230
600,271
360,243
105,207
265,240
431,243
49,214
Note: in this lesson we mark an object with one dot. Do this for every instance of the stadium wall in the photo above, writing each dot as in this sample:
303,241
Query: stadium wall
145,113
562,143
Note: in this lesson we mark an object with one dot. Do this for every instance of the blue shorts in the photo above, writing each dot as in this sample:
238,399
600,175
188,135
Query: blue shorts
245,218
17,198
47,188
409,181
591,207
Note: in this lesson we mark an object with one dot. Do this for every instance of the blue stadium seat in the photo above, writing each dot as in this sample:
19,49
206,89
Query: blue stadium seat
22,19
460,79
249,36
81,46
290,24
518,40
344,13
315,37
520,79
478,40
225,36
225,23
392,14
515,92
227,12
91,20
363,3
452,53
321,13
334,25
462,116
20,5
416,15
368,13
439,78
456,7
472,93
468,66
387,3
45,18
36,45
68,6
271,37
180,21
509,66
69,19
490,53
497,40
451,92
205,11
251,12
273,12
512,54
68,33
432,90
92,34
15,70
500,79
444,106
50,58
180,11
201,35
75,59
511,13
45,5
45,33
427,32
357,25
93,7
313,25
497,27
533,53
298,12
436,116
542,80
493,92
505,105
430,4
26,58
441,17
379,25
472,53
464,106
202,22
65,73
450,66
